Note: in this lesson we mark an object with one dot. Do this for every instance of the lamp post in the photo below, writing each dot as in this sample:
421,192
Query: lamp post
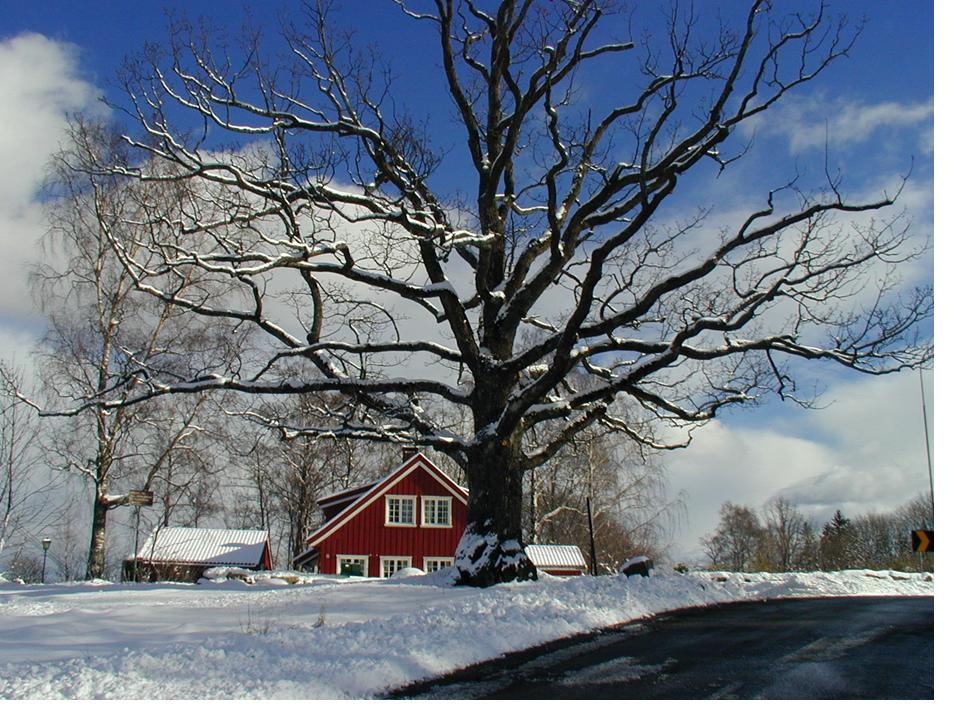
43,572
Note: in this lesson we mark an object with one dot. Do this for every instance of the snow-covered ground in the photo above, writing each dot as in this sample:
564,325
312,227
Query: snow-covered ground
334,638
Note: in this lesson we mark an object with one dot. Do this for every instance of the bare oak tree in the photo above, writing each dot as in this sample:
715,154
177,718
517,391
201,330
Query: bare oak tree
308,206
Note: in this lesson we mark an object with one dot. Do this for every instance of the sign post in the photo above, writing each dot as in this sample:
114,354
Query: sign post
139,498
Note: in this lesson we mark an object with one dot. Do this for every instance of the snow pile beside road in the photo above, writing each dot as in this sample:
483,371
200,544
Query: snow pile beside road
335,639
761,586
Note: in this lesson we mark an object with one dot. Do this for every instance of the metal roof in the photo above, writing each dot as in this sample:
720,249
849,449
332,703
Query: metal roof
556,556
203,546
348,495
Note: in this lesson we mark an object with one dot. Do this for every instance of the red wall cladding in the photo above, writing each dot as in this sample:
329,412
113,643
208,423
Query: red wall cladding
367,533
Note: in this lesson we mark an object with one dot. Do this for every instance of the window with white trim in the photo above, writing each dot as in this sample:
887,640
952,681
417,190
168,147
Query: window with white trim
432,564
436,512
355,565
391,565
401,510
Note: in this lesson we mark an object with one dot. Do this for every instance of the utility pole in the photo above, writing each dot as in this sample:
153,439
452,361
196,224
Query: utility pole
926,437
593,547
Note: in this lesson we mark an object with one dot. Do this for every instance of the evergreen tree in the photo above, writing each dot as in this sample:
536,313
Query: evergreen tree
835,543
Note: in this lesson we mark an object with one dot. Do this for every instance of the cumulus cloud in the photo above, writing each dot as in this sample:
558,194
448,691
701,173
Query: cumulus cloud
853,490
41,85
743,466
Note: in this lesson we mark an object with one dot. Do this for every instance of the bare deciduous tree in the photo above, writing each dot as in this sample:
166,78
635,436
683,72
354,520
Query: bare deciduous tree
785,533
25,500
737,541
632,512
307,205
284,477
101,332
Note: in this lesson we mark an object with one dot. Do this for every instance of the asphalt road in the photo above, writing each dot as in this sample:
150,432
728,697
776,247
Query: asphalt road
826,648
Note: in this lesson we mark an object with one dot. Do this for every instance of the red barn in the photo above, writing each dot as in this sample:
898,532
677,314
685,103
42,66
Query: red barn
414,517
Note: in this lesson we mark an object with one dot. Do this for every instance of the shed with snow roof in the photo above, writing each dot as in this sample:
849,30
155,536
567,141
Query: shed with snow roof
557,559
183,554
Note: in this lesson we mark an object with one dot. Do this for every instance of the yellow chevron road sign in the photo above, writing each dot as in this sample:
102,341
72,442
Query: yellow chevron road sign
922,540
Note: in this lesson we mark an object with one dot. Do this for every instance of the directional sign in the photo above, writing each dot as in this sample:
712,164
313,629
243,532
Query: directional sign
140,497
922,540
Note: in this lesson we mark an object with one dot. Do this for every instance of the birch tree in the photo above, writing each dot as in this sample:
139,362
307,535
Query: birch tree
100,332
604,475
310,207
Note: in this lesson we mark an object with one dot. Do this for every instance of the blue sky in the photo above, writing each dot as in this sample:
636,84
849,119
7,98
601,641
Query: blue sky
864,452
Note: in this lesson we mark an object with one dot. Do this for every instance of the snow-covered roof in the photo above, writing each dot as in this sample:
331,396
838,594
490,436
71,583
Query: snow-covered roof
204,546
556,556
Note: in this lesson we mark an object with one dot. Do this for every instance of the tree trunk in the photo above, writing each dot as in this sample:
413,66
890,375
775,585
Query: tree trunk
98,537
491,549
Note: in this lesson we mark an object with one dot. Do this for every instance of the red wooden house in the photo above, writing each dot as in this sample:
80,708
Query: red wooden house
414,517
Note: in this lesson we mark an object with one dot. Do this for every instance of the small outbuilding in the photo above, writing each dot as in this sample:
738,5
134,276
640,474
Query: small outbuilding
183,554
557,559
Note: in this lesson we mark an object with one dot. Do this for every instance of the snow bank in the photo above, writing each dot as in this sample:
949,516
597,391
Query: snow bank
335,638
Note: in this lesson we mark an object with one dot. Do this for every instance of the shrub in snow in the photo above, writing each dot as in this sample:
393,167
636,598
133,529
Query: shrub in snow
639,565
220,574
408,572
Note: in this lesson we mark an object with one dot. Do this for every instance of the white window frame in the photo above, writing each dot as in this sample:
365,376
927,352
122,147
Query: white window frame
437,498
398,558
365,559
427,560
386,505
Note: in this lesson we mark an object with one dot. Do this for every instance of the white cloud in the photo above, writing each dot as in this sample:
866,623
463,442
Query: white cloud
41,85
863,452
15,345
814,123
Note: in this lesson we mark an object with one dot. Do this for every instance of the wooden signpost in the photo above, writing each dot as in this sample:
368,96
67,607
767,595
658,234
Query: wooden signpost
139,498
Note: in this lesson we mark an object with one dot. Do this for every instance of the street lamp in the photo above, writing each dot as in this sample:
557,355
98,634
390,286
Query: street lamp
46,546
